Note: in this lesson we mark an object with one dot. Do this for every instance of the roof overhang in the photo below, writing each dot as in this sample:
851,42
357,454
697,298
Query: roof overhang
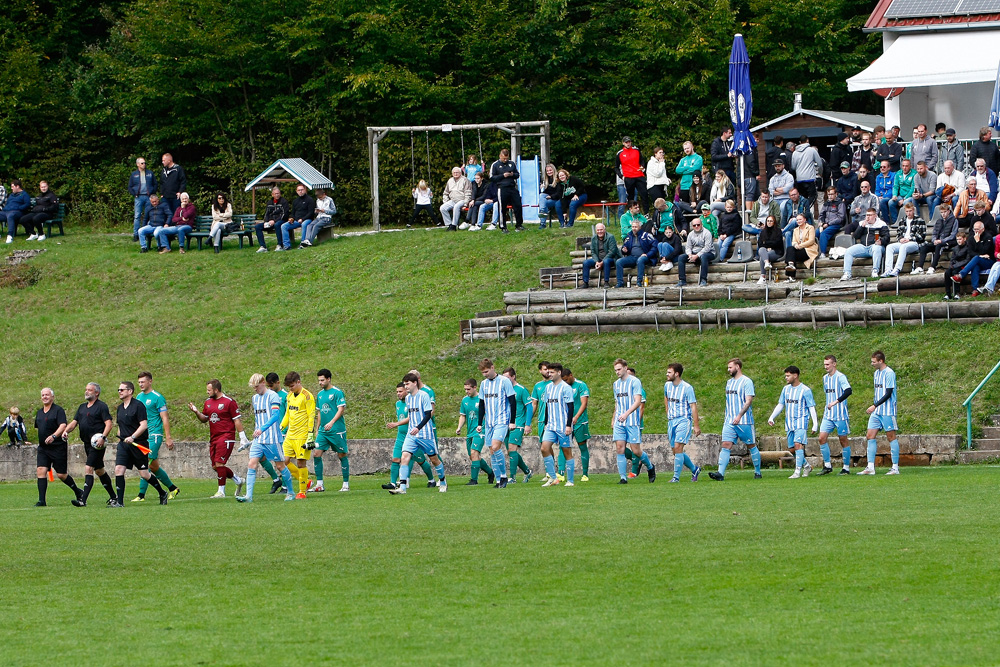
933,59
287,170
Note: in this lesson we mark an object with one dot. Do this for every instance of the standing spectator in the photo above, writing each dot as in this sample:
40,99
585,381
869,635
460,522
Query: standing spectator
45,208
504,173
277,212
841,152
903,186
471,168
781,183
722,153
952,150
807,167
173,181
856,134
638,250
16,206
831,219
771,154
730,224
549,198
157,216
950,183
604,252
942,238
980,258
325,210
657,181
862,203
622,195
574,194
689,166
885,183
909,237
924,148
457,195
302,210
699,249
890,152
422,198
722,191
222,215
986,149
871,237
961,254
180,225
141,184
925,188
628,165
803,247
864,154
770,246
939,132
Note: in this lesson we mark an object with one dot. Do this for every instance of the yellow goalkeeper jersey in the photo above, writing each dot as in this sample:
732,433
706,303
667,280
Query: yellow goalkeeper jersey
300,415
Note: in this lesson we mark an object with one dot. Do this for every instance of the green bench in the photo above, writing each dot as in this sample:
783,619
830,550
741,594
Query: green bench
58,220
203,225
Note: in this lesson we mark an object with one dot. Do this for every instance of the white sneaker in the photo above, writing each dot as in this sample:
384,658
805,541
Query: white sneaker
551,482
345,487
916,271
867,471
442,487
240,483
874,273
844,278
262,249
893,471
463,226
796,474
490,228
806,469
41,238
664,268
280,248
767,265
930,270
762,280
317,488
32,237
10,239
475,228
569,484
219,494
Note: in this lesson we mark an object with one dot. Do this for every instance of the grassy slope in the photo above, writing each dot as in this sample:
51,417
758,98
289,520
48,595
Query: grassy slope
372,307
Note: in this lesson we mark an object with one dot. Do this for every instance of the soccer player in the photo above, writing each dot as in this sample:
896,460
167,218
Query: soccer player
402,419
223,417
497,407
331,430
883,414
159,433
299,417
430,392
835,416
133,444
53,451
274,384
739,419
635,461
580,421
93,418
266,442
682,418
558,426
421,435
538,398
522,424
628,402
797,401
468,416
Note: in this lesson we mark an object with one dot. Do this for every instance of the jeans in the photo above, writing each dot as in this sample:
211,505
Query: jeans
703,260
173,203
827,235
973,269
932,203
622,198
145,233
857,250
165,234
751,228
667,251
453,210
288,231
991,281
259,228
309,233
639,263
547,206
766,255
483,208
883,210
12,217
141,205
718,207
574,206
724,247
787,230
216,232
904,249
590,264
894,207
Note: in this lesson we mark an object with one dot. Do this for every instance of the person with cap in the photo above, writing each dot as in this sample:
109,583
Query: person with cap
709,220
781,183
841,152
628,167
952,150
772,154
924,148
856,134
847,183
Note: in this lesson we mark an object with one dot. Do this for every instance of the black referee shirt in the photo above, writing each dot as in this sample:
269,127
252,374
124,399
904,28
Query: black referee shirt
128,421
90,419
47,423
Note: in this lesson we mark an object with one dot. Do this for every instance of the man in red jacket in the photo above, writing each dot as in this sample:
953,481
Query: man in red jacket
628,167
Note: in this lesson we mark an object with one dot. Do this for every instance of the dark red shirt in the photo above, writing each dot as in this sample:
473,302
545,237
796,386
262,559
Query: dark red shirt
222,413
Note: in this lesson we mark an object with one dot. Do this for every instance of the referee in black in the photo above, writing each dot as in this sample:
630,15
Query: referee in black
50,422
93,418
133,444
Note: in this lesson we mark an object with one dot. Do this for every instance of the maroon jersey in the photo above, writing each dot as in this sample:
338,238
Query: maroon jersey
221,413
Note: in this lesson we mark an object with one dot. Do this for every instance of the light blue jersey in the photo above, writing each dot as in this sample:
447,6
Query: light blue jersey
737,390
884,380
835,385
494,393
557,397
796,402
267,408
679,397
625,390
418,406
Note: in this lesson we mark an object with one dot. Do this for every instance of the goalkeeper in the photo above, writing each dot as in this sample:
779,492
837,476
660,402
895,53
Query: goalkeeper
299,439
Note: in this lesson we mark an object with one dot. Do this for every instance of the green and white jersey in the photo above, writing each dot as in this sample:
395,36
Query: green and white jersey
522,399
642,409
538,394
401,413
283,395
430,392
470,408
155,405
328,402
580,389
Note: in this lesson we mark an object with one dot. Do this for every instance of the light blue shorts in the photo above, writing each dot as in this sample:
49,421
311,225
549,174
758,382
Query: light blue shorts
629,434
797,436
414,444
561,439
679,431
742,432
829,426
266,450
498,432
882,422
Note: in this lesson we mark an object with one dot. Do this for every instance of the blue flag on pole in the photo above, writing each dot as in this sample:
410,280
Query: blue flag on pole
740,100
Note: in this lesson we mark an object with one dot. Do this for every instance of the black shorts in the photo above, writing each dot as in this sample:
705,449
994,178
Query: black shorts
53,456
95,457
130,457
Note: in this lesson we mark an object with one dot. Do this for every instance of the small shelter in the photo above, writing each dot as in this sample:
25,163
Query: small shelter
289,170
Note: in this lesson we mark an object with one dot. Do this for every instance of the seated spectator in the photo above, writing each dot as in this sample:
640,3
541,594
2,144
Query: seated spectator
457,195
46,207
871,237
549,199
471,168
942,238
770,246
960,256
478,187
669,247
638,250
903,185
604,252
574,195
967,201
865,174
832,217
950,184
781,183
488,204
862,203
709,221
657,181
730,225
847,184
156,217
222,216
925,189
661,217
14,208
884,184
302,210
180,225
803,247
980,258
795,206
689,201
631,215
759,212
699,249
986,179
980,214
325,210
991,282
910,234
722,191
277,212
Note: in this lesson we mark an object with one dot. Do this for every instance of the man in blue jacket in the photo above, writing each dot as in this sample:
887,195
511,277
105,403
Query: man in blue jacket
141,185
638,250
156,216
17,205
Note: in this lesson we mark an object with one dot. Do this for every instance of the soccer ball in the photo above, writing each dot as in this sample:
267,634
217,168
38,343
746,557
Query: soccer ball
97,441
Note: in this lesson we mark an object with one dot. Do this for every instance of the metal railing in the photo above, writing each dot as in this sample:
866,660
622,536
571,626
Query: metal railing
968,405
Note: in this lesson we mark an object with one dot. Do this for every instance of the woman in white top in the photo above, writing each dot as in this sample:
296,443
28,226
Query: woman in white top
222,215
422,196
722,191
656,175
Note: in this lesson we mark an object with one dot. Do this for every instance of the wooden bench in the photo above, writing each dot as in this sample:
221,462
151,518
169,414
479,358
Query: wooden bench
203,226
58,220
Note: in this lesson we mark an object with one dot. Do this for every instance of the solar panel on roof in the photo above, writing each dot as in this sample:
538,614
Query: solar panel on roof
978,7
903,9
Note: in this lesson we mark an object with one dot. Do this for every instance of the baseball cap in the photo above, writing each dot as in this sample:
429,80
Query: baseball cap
706,207
845,165
950,131
779,161
626,138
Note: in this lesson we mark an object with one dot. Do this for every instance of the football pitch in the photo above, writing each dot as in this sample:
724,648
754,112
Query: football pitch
831,570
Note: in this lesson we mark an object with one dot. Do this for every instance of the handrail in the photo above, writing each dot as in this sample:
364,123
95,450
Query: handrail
968,405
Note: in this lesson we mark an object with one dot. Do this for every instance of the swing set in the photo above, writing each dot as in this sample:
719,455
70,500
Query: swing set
516,131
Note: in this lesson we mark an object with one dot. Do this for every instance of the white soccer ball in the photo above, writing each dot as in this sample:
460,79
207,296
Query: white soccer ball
97,441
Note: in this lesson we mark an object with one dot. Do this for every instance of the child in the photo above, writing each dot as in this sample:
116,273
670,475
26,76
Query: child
14,426
472,167
960,256
422,196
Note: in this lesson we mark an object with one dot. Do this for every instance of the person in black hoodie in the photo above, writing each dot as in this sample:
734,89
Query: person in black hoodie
504,173
276,213
770,246
173,182
45,208
303,209
960,256
730,226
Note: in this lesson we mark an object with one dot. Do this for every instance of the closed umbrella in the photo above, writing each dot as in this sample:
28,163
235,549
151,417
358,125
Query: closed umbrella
995,107
741,108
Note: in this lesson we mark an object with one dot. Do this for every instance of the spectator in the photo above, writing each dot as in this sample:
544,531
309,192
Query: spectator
862,203
980,258
786,155
574,195
856,134
879,137
903,186
156,217
471,168
722,153
604,252
657,181
141,184
16,206
871,237
14,427
722,191
457,195
638,250
924,149
222,216
986,149
478,188
489,204
180,226
277,212
960,257
865,174
770,246
967,200
422,198
549,198
803,247
832,218
908,148
795,205
986,179
890,152
699,249
772,154
952,150
950,183
633,213
628,165
504,173
942,238
300,215
709,221
991,281
980,214
939,132
172,182
841,152
925,188
669,247
847,184
750,189
781,183
759,212
688,202
688,167
807,167
325,210
46,207
622,195
909,237
661,217
3,196
885,184
864,155
730,224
